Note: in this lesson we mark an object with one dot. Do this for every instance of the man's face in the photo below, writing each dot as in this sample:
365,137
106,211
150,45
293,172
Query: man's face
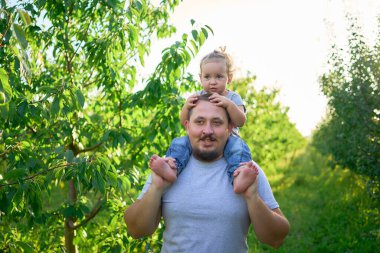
208,131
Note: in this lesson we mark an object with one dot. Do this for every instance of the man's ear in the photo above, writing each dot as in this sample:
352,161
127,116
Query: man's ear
230,127
187,126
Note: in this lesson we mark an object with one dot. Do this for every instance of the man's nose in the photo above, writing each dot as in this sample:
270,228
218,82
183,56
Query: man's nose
207,129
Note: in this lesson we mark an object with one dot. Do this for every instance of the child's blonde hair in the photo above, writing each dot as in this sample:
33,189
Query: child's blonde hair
219,54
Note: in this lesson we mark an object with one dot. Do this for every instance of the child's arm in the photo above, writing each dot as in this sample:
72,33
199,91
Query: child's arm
190,103
235,112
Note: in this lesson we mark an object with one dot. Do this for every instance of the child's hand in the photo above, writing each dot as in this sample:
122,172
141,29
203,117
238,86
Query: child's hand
220,100
190,102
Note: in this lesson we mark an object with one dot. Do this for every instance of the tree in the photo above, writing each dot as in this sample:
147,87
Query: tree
76,120
351,131
268,131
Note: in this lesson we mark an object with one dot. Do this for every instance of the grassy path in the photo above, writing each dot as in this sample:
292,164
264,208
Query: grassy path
329,210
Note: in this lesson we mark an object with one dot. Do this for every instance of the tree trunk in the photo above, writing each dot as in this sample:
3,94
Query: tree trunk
69,236
69,222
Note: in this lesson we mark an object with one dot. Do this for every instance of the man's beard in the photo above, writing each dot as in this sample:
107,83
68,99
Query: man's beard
207,156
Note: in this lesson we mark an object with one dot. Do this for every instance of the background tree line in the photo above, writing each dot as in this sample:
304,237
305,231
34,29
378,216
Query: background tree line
350,133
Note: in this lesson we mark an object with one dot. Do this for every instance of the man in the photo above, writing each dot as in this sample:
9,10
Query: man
200,210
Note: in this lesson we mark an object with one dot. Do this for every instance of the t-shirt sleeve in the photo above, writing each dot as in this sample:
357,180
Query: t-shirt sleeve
146,186
265,190
236,98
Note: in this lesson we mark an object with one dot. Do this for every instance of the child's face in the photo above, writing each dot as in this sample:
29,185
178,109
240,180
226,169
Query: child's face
214,77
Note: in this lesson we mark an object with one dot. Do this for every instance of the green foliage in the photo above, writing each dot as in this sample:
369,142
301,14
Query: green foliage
328,210
268,131
75,121
351,131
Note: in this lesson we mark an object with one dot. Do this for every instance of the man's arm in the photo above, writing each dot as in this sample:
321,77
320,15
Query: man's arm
143,216
271,226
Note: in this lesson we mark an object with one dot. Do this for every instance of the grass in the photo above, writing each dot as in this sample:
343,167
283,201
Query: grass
329,209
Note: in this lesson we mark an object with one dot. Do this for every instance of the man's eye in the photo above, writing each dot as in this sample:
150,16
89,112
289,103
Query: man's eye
199,122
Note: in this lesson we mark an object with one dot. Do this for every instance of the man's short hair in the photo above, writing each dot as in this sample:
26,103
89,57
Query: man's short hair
205,97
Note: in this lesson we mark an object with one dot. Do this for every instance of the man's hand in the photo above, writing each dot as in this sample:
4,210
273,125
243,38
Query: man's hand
252,190
171,162
159,182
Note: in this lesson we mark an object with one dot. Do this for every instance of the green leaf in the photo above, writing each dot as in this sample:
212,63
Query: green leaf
12,111
5,84
25,17
4,108
201,38
192,21
20,35
194,46
195,34
15,174
69,211
184,37
209,28
204,31
80,97
138,5
2,98
141,51
55,106
26,247
99,182
22,107
69,154
112,179
106,135
112,3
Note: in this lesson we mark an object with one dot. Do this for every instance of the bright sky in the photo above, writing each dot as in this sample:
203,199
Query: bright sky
284,43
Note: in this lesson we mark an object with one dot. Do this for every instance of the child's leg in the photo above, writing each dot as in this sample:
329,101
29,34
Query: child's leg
180,150
162,168
236,152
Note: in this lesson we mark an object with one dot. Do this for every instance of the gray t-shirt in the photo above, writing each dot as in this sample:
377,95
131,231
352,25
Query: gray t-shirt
203,214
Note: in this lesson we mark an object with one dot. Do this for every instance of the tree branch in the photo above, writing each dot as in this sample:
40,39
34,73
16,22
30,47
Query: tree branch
90,215
76,51
39,173
90,148
5,152
6,29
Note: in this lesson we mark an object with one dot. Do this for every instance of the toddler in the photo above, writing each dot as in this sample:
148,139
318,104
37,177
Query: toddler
216,73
